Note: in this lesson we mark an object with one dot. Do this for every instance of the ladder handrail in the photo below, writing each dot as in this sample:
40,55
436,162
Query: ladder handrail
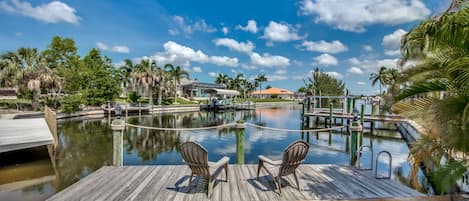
390,165
359,154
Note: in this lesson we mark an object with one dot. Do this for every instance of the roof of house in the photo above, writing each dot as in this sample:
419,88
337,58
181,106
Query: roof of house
222,92
272,90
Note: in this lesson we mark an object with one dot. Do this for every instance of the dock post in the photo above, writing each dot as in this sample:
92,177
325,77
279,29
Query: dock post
330,115
126,111
109,111
139,109
349,105
240,131
309,104
373,110
362,122
355,129
118,127
353,104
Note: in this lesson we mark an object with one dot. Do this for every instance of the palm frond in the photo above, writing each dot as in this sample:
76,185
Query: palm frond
423,87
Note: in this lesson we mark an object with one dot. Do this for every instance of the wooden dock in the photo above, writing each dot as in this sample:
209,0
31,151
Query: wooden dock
18,134
318,182
367,118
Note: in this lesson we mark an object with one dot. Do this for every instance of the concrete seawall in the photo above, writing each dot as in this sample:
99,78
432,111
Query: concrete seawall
100,113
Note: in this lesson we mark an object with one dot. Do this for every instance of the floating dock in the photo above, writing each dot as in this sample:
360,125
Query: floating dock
169,182
16,134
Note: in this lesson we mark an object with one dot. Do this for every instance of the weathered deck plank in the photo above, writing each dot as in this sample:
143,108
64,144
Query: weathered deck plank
331,182
16,134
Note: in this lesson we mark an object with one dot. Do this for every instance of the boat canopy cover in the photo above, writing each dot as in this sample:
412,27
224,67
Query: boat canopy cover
214,91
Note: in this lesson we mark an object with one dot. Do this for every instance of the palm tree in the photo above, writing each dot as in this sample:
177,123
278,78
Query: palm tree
260,79
222,79
126,71
379,77
145,74
27,68
177,73
441,46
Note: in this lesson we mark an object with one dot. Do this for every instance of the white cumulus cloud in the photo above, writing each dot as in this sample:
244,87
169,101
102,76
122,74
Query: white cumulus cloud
232,44
250,27
334,74
367,48
177,54
361,83
197,69
355,70
373,65
188,27
116,48
324,47
225,30
392,42
212,74
356,15
52,12
281,32
326,60
267,60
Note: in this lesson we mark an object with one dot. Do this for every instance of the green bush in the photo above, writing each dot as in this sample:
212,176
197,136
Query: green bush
133,97
71,103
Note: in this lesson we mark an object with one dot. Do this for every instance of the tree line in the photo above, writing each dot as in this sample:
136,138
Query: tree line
62,78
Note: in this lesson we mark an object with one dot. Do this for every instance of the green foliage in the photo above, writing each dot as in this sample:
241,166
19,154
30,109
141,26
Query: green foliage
133,97
445,177
71,103
95,78
440,45
328,85
302,89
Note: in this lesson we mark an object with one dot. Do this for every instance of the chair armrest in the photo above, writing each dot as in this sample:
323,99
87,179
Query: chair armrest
219,163
267,160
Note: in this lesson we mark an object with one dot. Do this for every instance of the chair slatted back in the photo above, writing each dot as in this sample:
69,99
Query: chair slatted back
293,156
196,157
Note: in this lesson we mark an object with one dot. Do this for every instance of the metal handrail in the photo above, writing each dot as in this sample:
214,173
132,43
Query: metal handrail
390,165
359,154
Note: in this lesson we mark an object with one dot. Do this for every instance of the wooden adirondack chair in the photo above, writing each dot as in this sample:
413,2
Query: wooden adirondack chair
293,156
196,157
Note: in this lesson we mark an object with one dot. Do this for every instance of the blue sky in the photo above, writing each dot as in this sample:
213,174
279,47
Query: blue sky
283,39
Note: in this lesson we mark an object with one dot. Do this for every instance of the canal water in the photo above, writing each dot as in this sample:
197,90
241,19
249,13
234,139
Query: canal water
85,145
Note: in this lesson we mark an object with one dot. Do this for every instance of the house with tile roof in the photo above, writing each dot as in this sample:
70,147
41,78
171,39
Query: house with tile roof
273,93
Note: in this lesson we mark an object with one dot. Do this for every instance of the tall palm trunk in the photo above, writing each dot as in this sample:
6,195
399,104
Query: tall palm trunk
175,90
160,95
35,100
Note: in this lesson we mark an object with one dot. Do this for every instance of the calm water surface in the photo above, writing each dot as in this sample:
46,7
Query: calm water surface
87,145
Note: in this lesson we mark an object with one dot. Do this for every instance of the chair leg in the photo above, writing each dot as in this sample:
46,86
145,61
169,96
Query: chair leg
189,185
210,187
226,171
296,179
190,178
259,166
279,182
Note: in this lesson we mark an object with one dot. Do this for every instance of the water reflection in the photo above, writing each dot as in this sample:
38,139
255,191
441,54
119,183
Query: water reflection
86,145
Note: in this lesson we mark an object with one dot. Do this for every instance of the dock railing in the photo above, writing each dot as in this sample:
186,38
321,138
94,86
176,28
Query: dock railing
51,119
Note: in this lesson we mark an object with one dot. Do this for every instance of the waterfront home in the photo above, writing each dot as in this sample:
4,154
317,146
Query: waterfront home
273,93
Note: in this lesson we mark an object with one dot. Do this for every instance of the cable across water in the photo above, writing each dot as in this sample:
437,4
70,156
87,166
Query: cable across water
230,125
292,130
181,129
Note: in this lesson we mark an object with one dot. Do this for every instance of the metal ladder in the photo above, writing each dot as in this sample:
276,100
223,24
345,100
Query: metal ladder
361,151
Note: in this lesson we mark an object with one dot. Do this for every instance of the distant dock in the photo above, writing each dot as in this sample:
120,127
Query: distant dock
16,134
